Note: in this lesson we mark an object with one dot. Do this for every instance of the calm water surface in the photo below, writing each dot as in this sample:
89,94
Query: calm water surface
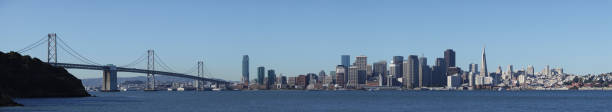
345,101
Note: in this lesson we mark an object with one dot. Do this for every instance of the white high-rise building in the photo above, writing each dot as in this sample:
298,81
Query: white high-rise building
522,79
547,70
508,74
530,70
353,77
453,81
471,79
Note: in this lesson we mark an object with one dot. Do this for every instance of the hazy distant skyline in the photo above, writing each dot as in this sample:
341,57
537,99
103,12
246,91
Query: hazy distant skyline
298,37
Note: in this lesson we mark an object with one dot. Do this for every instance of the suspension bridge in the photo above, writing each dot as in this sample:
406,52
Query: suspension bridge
109,71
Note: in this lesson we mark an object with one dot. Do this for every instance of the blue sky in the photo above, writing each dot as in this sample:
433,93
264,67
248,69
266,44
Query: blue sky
300,36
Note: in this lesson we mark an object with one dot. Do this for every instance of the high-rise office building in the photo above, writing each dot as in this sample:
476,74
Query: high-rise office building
509,73
499,70
424,72
397,62
271,78
322,76
391,77
361,62
345,60
547,70
369,70
483,67
439,73
312,79
380,71
340,76
353,79
411,71
449,58
530,70
261,72
474,68
301,81
361,77
245,70
330,78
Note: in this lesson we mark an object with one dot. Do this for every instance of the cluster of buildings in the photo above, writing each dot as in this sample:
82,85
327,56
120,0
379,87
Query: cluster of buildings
412,73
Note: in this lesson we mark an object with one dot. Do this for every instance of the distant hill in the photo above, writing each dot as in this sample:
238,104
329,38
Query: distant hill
92,82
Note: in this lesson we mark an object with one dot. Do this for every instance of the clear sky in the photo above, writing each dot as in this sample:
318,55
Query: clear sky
300,36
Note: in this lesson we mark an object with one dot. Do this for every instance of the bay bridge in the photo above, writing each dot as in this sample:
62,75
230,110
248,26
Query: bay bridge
109,71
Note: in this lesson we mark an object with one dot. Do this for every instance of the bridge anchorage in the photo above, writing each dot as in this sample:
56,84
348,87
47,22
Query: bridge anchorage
109,71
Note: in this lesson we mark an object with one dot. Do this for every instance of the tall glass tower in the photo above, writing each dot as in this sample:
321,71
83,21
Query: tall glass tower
261,72
245,69
345,60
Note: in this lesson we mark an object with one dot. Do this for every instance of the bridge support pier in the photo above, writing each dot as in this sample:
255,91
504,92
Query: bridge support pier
109,77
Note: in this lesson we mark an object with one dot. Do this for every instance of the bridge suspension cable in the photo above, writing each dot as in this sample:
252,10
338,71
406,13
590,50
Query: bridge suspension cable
163,64
78,55
192,70
73,55
33,45
137,61
207,72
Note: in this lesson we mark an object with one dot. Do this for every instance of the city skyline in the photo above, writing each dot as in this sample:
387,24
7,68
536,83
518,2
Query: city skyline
555,39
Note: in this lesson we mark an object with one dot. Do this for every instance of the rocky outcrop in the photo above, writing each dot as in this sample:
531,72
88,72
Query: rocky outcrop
6,101
26,77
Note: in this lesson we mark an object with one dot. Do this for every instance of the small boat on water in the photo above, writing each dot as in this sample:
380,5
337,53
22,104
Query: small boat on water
218,89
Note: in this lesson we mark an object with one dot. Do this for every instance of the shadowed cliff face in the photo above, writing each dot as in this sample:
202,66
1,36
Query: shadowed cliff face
6,101
25,77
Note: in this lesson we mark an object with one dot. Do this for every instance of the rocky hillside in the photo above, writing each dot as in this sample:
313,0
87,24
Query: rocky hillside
6,101
26,77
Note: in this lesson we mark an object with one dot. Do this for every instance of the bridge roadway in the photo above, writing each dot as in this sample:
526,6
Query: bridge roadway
132,70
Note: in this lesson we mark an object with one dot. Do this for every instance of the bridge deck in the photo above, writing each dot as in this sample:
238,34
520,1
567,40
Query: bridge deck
135,70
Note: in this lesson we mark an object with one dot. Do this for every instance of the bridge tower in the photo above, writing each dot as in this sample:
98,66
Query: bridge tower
197,83
109,77
150,67
52,48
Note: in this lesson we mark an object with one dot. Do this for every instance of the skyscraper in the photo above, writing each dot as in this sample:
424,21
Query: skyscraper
474,68
271,78
245,70
547,70
449,58
380,71
439,73
483,67
411,71
353,77
361,62
424,72
322,76
346,63
340,75
391,77
330,78
530,70
397,62
261,72
345,60
369,70
509,73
